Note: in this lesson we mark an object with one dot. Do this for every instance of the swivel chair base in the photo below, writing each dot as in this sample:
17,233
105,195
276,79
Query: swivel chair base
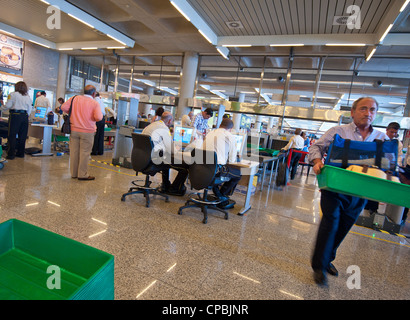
146,190
205,202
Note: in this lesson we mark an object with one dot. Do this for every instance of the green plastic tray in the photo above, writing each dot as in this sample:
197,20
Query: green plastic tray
364,186
26,253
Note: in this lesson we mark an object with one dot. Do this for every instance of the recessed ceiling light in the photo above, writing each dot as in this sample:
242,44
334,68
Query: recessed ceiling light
82,21
237,45
40,44
180,11
114,38
371,54
386,32
204,35
346,44
404,5
288,45
6,32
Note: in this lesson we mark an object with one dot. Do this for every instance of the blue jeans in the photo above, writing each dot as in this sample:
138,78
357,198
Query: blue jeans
340,212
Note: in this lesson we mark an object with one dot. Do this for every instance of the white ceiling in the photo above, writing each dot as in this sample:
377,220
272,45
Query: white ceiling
158,35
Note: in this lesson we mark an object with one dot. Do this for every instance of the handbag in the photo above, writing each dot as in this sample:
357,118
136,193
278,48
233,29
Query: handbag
66,127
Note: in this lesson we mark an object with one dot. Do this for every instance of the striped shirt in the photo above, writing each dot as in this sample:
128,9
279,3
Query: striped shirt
346,131
200,124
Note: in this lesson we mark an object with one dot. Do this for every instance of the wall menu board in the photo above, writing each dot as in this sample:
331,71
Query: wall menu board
11,54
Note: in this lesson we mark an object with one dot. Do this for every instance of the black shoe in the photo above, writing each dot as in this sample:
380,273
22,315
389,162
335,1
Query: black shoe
10,157
19,156
332,270
320,278
176,192
227,204
162,189
87,179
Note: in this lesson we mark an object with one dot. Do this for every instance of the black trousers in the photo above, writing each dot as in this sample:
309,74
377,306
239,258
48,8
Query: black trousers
340,212
228,187
98,146
18,127
179,181
294,162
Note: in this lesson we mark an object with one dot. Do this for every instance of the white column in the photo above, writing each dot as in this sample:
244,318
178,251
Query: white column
146,108
62,76
271,122
238,116
187,83
258,123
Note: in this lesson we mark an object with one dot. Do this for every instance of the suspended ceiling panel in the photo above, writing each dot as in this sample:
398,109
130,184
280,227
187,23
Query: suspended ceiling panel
286,17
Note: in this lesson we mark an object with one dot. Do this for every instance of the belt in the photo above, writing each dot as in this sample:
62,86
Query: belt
18,111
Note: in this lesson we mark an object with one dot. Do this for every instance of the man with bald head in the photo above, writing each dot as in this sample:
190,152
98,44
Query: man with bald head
162,141
84,114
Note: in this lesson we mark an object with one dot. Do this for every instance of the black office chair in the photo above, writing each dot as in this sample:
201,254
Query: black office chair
141,161
204,176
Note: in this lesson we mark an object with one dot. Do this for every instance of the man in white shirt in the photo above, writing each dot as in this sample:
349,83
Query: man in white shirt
224,144
42,101
162,141
295,143
187,119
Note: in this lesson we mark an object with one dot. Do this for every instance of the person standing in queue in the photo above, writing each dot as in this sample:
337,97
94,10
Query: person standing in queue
98,146
339,211
84,114
20,106
42,101
295,143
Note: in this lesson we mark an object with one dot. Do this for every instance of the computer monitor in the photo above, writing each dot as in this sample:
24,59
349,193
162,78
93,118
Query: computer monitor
240,142
40,113
142,124
184,135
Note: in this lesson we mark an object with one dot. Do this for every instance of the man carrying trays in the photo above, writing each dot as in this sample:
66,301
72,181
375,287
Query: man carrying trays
340,211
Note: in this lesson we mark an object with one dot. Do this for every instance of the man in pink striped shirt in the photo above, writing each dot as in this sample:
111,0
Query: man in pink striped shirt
85,112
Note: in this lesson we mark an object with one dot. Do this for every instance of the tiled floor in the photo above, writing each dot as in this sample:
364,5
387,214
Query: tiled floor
162,255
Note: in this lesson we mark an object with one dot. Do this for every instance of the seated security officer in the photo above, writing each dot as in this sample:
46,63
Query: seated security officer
162,140
224,144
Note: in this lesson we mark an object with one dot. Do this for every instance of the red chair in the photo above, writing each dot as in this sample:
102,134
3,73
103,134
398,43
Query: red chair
304,162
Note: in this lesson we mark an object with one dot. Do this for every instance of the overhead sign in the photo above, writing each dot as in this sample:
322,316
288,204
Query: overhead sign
11,54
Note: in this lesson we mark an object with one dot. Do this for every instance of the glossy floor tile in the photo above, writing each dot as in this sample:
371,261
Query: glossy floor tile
161,255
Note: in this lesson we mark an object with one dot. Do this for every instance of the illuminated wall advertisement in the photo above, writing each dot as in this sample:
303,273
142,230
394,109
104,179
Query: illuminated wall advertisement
11,54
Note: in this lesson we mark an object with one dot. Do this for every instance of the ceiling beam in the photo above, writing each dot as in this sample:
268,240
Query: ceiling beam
388,19
397,39
109,44
97,24
27,35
